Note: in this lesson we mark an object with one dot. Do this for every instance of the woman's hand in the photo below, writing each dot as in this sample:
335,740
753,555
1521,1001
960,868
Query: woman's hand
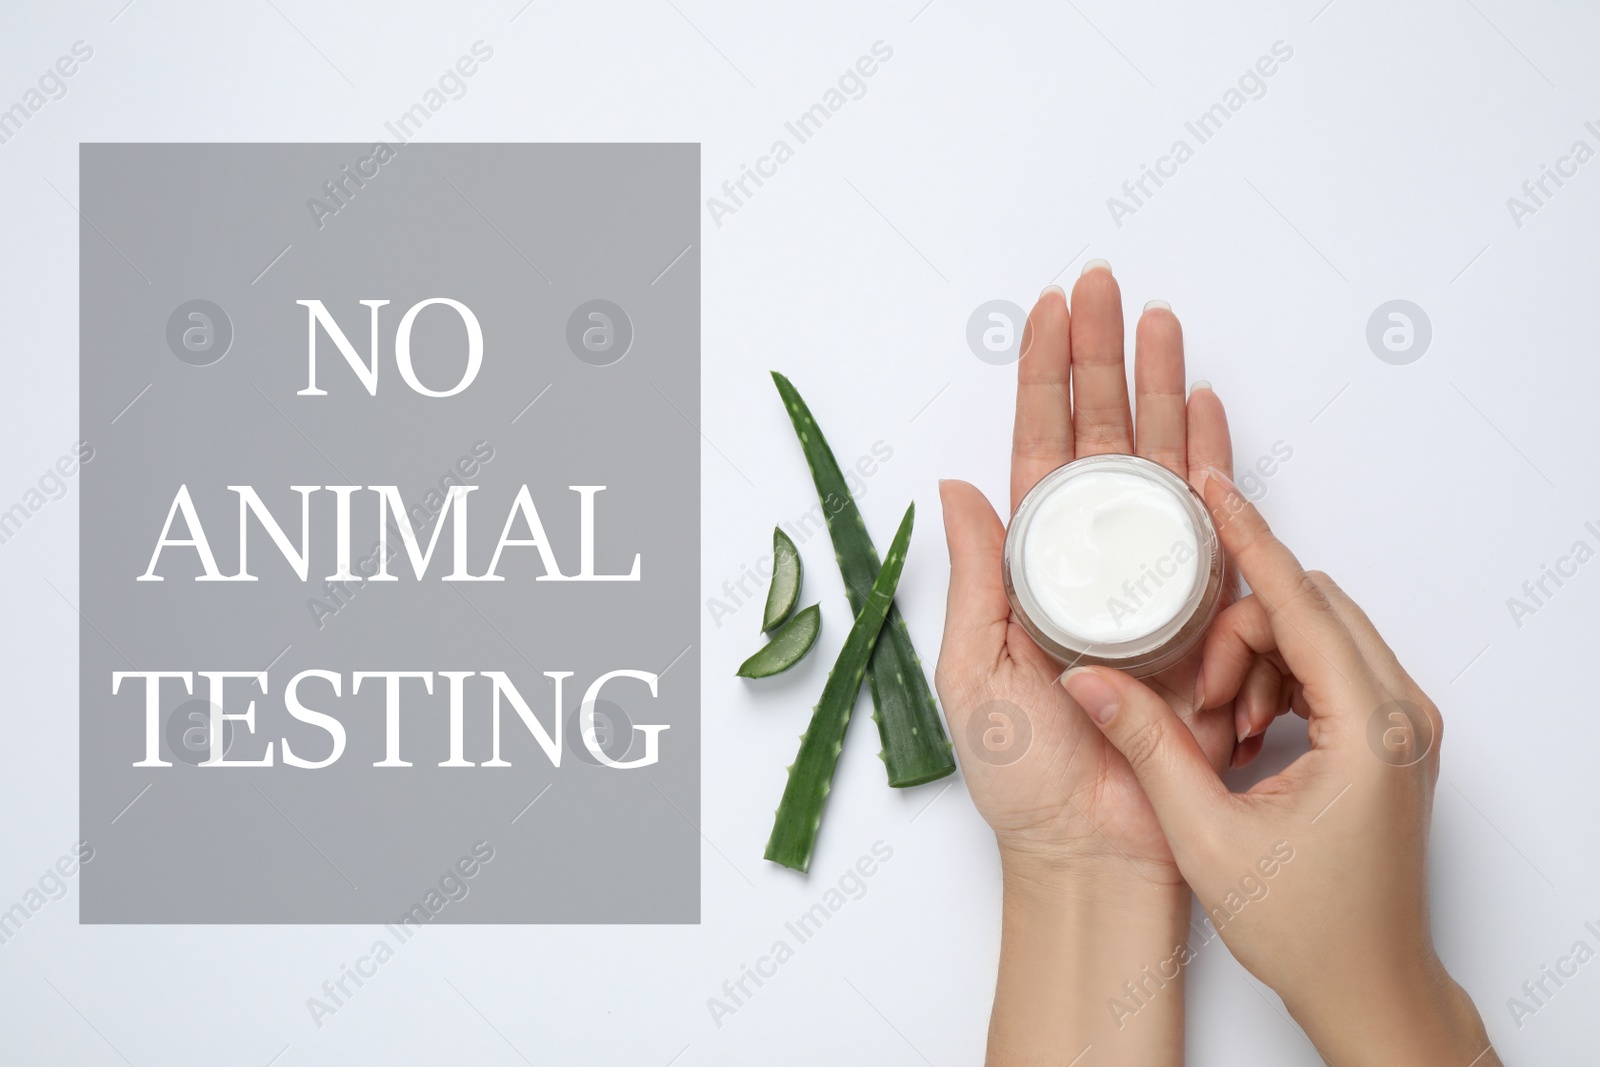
1316,878
1043,776
1093,896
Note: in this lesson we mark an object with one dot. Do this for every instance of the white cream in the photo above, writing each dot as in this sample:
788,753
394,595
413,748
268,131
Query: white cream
1111,556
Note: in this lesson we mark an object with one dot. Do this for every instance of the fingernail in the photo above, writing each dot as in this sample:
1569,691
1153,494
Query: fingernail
1157,305
1241,724
1227,482
1092,693
1096,264
1200,688
1053,289
1200,383
1233,760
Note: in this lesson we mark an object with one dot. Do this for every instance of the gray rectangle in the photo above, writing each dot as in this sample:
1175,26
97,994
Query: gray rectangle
580,266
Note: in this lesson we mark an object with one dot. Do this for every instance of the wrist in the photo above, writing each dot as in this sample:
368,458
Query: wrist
1092,886
1092,953
1410,1015
1090,867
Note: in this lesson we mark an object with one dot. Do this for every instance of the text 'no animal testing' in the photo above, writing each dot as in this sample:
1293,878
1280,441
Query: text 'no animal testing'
390,515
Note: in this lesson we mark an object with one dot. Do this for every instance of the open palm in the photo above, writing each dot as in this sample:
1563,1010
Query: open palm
1040,771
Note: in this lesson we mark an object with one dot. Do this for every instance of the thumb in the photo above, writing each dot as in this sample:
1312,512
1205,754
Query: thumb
1164,755
977,612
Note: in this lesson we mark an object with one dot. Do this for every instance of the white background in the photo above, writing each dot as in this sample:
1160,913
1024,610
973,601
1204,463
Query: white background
978,164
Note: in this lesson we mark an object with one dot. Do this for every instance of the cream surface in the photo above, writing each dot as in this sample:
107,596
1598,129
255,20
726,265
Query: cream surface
1111,556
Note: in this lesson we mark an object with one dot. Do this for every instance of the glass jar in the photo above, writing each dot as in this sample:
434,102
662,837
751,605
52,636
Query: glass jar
1113,561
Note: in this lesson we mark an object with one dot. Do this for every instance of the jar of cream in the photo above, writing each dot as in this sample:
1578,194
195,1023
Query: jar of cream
1113,561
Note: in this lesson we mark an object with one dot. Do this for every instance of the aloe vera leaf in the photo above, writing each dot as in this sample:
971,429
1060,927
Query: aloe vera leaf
786,574
915,748
794,830
788,647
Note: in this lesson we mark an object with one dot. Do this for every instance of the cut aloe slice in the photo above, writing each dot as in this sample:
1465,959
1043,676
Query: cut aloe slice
788,647
785,589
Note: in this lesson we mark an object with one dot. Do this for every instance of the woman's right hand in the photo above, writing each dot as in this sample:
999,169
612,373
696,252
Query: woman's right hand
1316,878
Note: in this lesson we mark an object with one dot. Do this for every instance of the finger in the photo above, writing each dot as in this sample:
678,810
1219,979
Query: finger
1210,444
1241,634
1388,682
1214,731
1162,420
1260,700
1294,697
1374,649
976,611
1186,793
1240,663
1315,645
1246,751
1041,438
1101,421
